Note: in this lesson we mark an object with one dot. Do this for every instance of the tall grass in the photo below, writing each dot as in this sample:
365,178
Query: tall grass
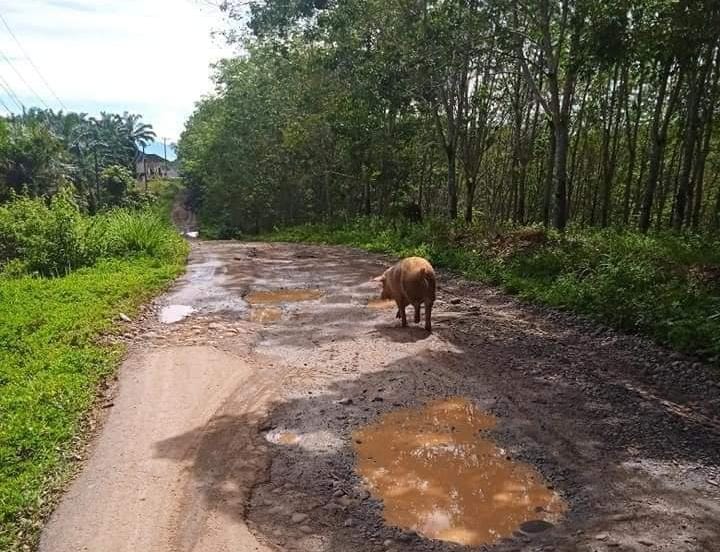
56,238
126,233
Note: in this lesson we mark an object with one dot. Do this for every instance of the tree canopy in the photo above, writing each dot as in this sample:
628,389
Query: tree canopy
42,149
574,112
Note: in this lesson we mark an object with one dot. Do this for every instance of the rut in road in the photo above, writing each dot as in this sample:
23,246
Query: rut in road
234,431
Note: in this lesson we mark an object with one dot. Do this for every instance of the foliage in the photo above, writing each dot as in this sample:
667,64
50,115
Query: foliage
115,181
586,113
32,158
41,150
50,365
664,286
54,239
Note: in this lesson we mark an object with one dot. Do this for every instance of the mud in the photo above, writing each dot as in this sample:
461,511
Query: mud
439,475
276,297
283,437
265,315
199,452
381,304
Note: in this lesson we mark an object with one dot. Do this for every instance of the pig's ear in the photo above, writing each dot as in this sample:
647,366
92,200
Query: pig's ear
380,278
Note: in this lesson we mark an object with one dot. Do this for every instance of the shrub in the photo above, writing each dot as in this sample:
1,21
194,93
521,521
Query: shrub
127,233
115,181
55,239
49,240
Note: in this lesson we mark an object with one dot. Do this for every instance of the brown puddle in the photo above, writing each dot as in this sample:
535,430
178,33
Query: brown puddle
381,304
265,315
438,476
282,296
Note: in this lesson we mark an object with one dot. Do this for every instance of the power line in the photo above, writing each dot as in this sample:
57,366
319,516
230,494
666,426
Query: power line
11,93
12,66
32,63
2,103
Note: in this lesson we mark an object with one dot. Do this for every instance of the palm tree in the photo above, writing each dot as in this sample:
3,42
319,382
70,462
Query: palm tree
139,133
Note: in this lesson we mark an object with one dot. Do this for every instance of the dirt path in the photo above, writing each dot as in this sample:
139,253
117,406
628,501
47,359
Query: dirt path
229,434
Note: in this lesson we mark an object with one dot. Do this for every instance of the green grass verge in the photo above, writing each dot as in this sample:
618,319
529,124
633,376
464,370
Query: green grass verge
51,363
663,286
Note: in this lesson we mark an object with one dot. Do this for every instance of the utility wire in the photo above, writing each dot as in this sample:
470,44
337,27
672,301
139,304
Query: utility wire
32,63
11,93
2,103
12,66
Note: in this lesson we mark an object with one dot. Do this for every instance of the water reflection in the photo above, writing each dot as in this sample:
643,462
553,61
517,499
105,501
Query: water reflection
439,476
174,313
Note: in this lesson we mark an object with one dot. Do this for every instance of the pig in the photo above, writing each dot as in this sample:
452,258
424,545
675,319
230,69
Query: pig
410,282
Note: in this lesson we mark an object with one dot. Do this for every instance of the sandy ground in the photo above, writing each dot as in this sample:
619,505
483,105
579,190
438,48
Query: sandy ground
189,459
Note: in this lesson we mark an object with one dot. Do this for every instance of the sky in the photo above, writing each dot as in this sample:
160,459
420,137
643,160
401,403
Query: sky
150,57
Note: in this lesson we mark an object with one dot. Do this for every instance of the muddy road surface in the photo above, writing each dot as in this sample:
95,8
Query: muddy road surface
267,403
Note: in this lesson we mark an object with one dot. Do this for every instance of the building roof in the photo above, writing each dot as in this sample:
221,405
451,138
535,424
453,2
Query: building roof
150,157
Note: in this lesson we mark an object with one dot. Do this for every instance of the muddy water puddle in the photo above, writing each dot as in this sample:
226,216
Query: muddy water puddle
381,304
174,313
439,476
275,297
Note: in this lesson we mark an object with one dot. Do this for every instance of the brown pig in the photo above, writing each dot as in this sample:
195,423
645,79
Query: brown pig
410,282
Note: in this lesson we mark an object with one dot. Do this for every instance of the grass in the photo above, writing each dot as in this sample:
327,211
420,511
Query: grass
51,363
663,286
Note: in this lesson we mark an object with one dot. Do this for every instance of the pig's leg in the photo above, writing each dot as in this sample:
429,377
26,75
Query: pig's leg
428,313
401,309
417,312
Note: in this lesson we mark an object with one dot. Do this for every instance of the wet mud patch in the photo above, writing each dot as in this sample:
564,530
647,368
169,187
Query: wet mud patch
265,315
440,475
381,304
279,296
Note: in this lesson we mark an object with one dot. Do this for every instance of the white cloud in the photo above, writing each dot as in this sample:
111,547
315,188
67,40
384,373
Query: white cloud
145,56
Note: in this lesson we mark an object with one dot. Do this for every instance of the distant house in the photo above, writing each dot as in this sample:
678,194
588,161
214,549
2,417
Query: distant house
155,167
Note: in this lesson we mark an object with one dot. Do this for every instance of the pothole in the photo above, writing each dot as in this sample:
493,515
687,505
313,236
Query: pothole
282,296
440,477
265,315
174,313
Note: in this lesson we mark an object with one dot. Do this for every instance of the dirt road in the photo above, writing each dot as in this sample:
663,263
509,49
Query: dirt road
232,428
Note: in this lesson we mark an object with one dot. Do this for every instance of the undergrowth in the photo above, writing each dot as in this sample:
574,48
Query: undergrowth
664,286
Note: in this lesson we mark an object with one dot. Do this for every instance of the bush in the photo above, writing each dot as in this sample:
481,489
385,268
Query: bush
126,233
49,240
55,239
115,181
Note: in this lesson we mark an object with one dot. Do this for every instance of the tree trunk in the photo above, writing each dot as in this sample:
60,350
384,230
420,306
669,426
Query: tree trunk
658,137
452,184
631,129
469,200
684,192
704,148
549,175
561,155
